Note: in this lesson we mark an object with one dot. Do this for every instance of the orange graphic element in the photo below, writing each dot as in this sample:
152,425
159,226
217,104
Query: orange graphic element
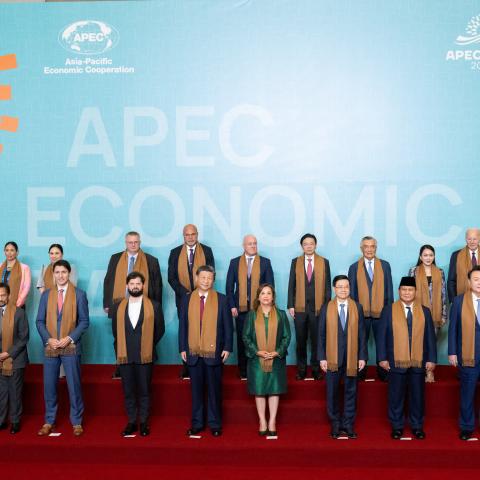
5,92
8,61
10,124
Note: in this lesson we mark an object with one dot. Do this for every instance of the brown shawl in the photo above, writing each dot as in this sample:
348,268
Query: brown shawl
68,322
405,358
120,285
318,274
352,337
203,343
198,261
48,279
14,280
468,330
264,342
7,338
423,292
464,265
146,343
374,308
242,281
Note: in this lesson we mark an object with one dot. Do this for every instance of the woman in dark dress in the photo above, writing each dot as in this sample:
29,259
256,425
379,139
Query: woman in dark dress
266,335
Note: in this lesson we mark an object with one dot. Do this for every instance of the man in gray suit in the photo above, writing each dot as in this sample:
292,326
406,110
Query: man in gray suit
13,359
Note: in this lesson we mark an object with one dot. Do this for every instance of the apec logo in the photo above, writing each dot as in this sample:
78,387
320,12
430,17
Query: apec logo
472,31
88,37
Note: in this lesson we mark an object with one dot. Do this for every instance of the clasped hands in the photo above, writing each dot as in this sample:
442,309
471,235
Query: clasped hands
62,343
267,355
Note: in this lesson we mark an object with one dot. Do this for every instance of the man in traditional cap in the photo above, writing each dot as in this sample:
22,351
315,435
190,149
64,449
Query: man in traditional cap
406,347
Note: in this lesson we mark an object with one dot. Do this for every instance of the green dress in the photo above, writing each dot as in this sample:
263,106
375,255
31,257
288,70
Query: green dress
260,382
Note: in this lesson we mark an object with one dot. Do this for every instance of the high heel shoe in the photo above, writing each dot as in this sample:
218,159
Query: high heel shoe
263,433
272,433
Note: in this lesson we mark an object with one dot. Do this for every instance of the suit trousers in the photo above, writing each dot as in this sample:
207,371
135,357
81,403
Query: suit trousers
11,396
469,376
306,325
51,369
136,383
412,382
201,376
242,358
347,419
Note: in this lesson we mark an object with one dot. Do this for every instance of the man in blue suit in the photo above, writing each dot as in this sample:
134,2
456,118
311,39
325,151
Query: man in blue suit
61,321
342,352
371,286
406,347
242,289
464,349
205,343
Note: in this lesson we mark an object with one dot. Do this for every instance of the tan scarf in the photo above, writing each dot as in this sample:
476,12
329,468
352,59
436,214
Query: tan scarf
14,280
352,337
264,342
319,275
146,343
203,343
468,330
120,285
182,267
48,280
242,281
374,308
405,358
464,265
7,338
423,292
68,323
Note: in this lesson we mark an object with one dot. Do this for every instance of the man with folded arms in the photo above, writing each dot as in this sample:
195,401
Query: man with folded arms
406,347
464,349
137,325
205,341
61,321
13,359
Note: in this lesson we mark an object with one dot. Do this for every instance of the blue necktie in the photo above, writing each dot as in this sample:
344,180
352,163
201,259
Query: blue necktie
409,324
131,263
343,319
478,311
370,271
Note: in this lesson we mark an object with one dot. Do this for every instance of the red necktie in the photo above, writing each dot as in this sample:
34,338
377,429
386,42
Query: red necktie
202,308
60,301
309,270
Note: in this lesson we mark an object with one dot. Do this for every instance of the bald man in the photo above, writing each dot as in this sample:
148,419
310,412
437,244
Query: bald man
183,261
245,274
461,262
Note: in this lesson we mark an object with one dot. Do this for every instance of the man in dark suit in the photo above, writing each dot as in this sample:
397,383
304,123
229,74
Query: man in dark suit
61,321
205,342
183,262
255,270
308,289
137,325
13,359
371,286
133,258
464,349
461,262
340,358
406,347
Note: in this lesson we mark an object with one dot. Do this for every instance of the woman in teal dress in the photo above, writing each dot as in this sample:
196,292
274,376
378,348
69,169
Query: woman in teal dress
266,335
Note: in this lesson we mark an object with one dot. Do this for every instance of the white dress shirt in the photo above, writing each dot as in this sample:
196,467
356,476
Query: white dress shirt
134,312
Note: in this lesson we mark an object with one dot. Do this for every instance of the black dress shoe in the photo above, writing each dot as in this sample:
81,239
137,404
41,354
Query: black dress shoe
184,373
3,426
465,434
194,431
144,429
335,433
397,433
418,433
216,432
116,374
129,429
317,375
351,434
15,428
300,375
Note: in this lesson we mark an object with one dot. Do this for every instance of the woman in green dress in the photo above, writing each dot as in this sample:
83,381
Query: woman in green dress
266,335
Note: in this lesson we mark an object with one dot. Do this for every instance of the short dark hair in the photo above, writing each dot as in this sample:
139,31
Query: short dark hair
132,234
205,268
308,235
256,302
133,275
476,268
338,278
55,245
13,244
62,263
6,286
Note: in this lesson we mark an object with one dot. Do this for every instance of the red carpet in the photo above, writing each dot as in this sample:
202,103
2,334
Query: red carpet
303,448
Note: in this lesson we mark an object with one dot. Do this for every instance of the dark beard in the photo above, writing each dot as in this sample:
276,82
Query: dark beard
135,294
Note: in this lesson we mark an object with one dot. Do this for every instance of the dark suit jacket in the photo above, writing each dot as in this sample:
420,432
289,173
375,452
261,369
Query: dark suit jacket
18,350
452,276
342,337
231,288
154,281
292,283
173,280
224,331
83,319
133,336
455,331
384,341
388,285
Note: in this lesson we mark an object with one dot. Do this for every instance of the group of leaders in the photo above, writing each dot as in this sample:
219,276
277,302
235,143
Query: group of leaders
337,330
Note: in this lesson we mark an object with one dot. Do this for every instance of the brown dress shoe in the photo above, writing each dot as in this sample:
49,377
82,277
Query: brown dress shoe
77,430
46,429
